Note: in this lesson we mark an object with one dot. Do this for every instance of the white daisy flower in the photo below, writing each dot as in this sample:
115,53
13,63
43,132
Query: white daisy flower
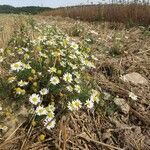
17,66
50,108
88,40
26,56
40,110
4,129
56,54
77,74
72,56
1,108
20,91
12,54
44,91
43,55
1,50
1,59
22,83
25,49
50,115
74,46
133,96
63,64
75,105
94,58
77,88
67,77
85,55
77,80
77,52
20,51
11,79
94,98
26,66
95,93
84,61
91,65
89,104
73,66
52,70
62,53
50,124
39,73
35,99
55,80
69,88
87,63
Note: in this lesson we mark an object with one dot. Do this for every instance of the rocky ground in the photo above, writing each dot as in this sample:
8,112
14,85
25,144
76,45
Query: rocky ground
122,119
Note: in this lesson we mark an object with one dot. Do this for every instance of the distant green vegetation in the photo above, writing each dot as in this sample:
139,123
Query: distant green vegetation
27,10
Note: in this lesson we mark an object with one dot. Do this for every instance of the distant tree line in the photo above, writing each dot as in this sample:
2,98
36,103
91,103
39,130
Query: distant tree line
27,10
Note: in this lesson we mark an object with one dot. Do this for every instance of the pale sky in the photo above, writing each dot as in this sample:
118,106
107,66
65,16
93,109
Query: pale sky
48,3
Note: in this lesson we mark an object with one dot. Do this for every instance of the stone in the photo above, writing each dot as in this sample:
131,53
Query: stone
135,78
123,106
107,96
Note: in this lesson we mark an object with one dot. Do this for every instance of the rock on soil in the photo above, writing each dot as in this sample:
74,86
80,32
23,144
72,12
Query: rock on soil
121,103
134,78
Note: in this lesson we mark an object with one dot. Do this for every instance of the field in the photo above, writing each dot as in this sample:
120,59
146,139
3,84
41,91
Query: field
120,117
130,14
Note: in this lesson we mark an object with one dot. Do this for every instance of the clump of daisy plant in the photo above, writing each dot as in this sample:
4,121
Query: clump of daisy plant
50,73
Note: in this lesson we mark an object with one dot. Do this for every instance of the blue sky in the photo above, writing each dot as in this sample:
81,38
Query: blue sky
49,3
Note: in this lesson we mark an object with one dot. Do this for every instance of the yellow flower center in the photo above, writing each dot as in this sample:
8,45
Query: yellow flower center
34,99
77,104
16,65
